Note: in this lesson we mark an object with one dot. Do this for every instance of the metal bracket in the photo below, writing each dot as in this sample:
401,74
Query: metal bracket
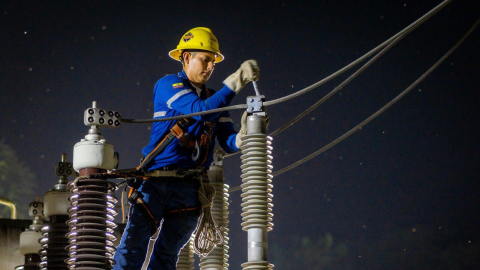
65,169
255,104
99,117
218,155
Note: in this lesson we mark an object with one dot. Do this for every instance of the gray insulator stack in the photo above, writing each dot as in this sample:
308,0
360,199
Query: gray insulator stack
54,241
186,257
91,235
256,191
29,244
218,258
92,210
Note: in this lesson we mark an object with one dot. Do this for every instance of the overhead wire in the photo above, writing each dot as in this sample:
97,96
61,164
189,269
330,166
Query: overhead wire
309,88
383,47
368,54
389,43
393,39
377,113
351,77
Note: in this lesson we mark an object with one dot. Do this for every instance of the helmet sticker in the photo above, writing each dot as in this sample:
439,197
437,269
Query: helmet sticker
187,37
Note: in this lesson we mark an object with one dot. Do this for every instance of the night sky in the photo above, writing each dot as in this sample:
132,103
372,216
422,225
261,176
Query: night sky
411,173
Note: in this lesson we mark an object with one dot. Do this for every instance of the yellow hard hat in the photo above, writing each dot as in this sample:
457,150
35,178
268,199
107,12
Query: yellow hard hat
198,38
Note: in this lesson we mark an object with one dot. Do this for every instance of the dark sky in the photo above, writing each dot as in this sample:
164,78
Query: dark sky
414,168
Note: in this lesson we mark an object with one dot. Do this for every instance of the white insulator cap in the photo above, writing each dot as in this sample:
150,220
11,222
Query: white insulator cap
56,203
93,154
29,242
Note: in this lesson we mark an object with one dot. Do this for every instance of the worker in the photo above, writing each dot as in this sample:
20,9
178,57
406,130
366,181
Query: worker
172,201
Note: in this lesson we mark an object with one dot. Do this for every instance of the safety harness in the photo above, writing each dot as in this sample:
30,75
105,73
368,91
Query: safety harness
135,197
199,148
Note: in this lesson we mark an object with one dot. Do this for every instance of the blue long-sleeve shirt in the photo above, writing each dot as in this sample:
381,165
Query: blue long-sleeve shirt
174,95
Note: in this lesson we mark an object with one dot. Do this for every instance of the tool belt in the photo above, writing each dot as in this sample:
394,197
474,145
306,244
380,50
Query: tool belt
135,197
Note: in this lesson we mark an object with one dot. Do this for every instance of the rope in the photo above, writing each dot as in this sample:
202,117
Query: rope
207,234
377,113
406,30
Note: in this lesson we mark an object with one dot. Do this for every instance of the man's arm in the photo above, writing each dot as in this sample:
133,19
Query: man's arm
226,134
176,95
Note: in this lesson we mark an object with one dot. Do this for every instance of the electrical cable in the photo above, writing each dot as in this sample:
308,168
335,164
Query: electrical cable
309,88
393,40
384,108
405,30
234,107
399,36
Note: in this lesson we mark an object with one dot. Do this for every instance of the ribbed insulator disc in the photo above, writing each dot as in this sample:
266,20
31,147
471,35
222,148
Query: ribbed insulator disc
91,233
256,181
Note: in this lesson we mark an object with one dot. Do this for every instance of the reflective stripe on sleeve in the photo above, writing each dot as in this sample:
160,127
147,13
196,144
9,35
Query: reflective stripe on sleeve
158,114
225,119
176,96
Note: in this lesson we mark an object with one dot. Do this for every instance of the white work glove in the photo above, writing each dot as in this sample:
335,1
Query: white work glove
242,132
243,129
247,72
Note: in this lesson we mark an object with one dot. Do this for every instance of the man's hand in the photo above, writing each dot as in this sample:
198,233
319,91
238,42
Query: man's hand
242,132
247,72
243,129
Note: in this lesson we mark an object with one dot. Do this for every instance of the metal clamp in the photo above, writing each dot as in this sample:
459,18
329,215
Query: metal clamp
255,104
99,117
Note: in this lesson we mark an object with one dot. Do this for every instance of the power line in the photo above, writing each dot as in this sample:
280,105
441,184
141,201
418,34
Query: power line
406,30
392,41
377,113
234,107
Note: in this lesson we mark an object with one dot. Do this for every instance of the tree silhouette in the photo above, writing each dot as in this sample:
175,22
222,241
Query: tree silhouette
17,182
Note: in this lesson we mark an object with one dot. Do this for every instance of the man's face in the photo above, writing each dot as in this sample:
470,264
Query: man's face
199,68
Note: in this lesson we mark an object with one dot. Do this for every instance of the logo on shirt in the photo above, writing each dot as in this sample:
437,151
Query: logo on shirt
177,85
187,37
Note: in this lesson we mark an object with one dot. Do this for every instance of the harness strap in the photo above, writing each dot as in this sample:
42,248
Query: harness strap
136,198
177,131
205,140
168,139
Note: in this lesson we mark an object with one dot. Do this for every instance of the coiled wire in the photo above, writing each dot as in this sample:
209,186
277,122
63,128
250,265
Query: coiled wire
218,257
91,235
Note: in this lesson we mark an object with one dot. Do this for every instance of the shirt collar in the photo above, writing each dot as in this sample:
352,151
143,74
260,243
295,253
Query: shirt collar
184,76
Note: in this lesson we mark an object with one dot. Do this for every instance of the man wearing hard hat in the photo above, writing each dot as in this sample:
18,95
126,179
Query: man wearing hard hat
180,151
